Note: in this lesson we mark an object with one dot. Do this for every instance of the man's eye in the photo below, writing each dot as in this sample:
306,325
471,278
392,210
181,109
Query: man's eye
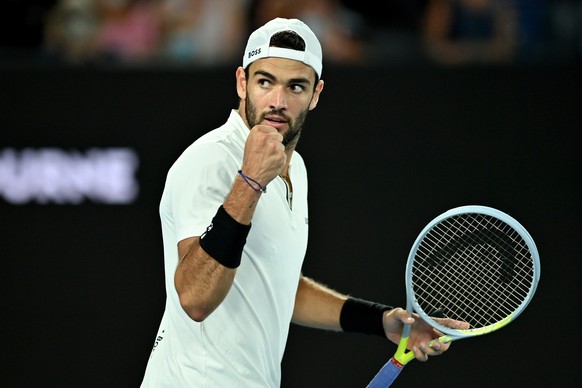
297,88
264,83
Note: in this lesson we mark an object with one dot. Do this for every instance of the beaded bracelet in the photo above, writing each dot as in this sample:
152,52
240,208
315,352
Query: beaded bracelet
251,182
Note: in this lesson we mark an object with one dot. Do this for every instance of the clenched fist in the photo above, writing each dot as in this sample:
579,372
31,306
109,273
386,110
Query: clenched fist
264,155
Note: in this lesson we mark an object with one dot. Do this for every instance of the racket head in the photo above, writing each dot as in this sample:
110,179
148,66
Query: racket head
474,264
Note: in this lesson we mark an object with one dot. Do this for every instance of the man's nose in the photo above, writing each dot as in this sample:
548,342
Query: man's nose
279,98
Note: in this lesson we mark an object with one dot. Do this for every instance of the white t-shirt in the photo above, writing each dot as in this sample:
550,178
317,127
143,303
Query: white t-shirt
241,343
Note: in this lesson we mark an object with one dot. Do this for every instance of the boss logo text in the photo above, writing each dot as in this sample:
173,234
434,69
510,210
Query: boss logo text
254,52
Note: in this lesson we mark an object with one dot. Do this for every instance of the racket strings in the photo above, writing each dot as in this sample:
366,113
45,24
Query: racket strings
481,287
475,273
474,268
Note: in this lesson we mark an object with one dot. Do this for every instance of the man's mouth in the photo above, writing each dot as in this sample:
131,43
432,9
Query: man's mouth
275,121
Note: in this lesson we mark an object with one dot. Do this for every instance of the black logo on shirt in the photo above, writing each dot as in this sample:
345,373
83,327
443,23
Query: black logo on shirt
159,339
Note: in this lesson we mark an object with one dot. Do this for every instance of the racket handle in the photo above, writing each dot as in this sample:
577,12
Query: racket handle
386,375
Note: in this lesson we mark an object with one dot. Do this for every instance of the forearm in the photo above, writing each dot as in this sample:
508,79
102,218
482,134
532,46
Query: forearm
241,201
203,279
202,282
317,306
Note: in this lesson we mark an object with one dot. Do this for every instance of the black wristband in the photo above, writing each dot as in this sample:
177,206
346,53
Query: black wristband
225,239
362,316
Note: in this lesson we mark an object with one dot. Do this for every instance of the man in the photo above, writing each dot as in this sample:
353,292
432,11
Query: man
234,223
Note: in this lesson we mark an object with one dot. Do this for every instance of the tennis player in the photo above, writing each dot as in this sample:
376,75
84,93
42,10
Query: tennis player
235,225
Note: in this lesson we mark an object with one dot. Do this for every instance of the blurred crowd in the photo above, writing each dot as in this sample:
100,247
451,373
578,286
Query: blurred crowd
213,32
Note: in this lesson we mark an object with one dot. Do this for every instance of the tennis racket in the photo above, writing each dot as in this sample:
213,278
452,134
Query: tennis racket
472,263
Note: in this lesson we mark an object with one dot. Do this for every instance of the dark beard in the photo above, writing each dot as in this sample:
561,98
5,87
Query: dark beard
291,137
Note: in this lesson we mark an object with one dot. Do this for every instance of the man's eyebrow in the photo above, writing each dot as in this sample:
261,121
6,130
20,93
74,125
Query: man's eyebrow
301,80
266,74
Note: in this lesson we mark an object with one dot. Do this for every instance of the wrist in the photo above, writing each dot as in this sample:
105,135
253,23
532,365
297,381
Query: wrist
364,317
252,183
241,201
224,239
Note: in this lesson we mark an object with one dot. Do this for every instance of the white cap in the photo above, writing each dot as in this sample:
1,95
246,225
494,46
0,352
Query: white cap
258,44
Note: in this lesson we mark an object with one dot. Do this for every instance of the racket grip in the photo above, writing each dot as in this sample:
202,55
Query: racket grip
386,375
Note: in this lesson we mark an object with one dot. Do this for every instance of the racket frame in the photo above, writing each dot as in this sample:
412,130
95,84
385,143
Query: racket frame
390,371
412,306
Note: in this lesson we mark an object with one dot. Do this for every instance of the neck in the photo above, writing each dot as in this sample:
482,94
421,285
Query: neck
285,170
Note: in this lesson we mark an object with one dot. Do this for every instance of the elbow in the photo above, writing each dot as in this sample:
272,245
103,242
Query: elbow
195,308
196,315
196,311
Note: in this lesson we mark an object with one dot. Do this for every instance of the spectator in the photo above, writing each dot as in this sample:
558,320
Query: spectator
70,31
470,31
342,31
204,32
129,31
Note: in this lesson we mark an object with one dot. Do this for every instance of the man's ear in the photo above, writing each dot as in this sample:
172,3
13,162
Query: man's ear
241,83
316,93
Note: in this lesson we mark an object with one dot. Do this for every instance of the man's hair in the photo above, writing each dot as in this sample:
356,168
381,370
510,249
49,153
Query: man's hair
290,40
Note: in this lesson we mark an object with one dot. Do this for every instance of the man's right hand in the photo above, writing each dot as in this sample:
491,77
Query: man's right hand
264,155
